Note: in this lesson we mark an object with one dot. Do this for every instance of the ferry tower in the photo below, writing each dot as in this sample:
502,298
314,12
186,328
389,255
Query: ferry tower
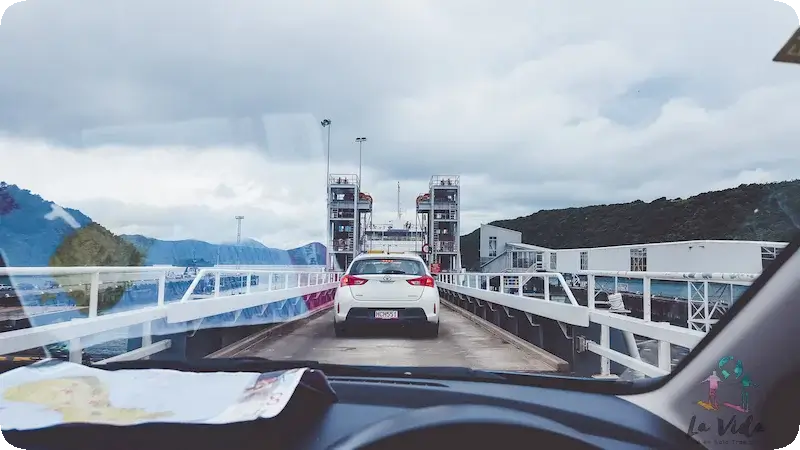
349,210
439,213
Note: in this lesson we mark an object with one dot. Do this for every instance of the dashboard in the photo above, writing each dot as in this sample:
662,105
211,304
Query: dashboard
386,413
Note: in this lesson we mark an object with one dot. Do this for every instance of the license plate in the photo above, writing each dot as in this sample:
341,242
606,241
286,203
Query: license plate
386,314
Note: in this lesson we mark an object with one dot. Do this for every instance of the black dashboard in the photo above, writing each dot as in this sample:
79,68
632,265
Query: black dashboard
385,412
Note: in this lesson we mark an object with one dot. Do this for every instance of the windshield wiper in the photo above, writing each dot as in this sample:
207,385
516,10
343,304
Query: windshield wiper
442,373
345,370
256,364
433,372
248,364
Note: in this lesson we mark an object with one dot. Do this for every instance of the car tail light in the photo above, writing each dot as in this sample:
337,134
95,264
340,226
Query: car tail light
422,281
349,280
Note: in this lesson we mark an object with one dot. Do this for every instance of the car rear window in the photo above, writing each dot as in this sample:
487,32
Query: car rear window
387,266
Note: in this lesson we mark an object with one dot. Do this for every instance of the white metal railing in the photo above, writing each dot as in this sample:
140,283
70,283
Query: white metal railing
510,281
478,285
700,313
563,309
699,305
95,327
278,286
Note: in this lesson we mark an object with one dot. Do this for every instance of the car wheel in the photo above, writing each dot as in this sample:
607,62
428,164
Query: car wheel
432,330
339,330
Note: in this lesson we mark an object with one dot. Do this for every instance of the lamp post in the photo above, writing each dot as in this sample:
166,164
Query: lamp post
238,238
357,215
326,123
239,229
360,141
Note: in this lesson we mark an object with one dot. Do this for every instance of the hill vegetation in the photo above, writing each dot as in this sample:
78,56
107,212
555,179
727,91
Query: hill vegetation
94,245
763,212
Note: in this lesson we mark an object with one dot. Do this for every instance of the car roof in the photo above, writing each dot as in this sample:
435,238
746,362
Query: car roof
409,256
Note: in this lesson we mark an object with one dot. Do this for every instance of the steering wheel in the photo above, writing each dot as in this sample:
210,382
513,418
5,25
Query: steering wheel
464,427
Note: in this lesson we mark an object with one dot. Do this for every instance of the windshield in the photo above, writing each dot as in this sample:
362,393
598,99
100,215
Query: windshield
387,266
174,182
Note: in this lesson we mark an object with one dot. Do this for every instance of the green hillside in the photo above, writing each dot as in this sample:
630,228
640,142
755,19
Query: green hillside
769,212
94,245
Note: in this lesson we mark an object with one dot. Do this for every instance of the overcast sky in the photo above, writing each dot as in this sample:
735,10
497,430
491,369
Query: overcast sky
170,117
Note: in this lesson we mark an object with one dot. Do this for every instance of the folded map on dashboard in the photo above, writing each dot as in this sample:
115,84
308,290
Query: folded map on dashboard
53,392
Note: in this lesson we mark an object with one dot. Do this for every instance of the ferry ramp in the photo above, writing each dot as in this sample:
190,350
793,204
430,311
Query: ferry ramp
463,341
285,313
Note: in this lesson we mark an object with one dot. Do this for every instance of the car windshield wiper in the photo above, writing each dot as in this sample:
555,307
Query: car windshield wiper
248,364
256,364
444,373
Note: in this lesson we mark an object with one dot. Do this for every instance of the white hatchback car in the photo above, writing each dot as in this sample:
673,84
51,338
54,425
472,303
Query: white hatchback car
390,289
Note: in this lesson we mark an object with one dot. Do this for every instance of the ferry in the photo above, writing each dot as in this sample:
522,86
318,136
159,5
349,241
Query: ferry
390,239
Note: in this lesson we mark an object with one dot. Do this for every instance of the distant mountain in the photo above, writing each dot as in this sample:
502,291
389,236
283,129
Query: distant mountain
250,252
29,238
762,212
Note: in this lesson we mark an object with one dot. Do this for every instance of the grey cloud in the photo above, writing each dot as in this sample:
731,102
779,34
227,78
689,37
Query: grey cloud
224,191
545,108
122,63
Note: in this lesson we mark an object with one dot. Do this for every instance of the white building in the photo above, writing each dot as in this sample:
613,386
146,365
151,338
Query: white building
502,250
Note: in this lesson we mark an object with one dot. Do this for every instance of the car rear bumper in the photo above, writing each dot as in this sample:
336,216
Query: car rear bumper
405,317
425,309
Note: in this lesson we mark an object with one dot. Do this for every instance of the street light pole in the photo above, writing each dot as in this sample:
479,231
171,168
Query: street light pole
239,229
326,123
238,238
360,141
357,215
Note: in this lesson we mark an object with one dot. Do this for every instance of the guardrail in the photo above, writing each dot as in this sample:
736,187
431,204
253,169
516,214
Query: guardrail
280,285
700,313
478,285
565,309
701,308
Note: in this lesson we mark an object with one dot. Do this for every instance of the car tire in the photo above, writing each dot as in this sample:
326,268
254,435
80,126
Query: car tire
433,330
339,330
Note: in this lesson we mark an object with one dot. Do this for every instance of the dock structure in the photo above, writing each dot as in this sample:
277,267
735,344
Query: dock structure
349,212
439,214
461,343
